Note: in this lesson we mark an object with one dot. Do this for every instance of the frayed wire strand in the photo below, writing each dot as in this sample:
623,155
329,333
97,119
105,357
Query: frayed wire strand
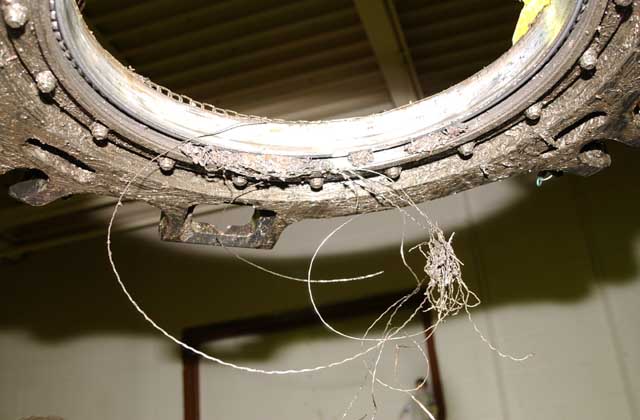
168,335
298,279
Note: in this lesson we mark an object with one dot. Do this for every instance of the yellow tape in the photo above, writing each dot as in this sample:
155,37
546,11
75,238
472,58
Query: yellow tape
528,15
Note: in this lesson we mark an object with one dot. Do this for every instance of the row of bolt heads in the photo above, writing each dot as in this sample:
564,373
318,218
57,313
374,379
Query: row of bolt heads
16,16
315,183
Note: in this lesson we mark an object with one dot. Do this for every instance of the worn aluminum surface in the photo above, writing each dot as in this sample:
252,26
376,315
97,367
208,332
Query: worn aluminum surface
577,110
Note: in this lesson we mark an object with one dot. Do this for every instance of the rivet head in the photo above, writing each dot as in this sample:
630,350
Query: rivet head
466,150
623,3
46,82
239,181
589,60
393,172
15,13
534,112
166,164
316,184
99,131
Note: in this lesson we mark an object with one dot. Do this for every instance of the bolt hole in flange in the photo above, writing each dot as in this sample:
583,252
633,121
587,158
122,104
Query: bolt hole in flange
280,65
16,176
25,184
597,145
22,174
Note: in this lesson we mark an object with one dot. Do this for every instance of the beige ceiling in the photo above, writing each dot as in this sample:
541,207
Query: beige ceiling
305,59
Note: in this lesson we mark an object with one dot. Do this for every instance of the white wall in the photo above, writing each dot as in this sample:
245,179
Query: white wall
557,268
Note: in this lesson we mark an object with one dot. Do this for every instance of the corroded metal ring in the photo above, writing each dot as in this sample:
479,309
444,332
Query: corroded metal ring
552,115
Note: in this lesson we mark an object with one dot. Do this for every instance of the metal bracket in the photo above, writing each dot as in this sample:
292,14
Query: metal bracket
262,231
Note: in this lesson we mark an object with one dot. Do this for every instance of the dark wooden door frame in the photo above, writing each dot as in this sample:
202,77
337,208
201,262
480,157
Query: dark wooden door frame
274,323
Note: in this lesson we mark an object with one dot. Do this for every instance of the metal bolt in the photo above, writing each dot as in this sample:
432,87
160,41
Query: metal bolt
466,150
46,81
534,112
589,60
316,184
394,172
239,181
623,3
166,164
15,14
99,131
